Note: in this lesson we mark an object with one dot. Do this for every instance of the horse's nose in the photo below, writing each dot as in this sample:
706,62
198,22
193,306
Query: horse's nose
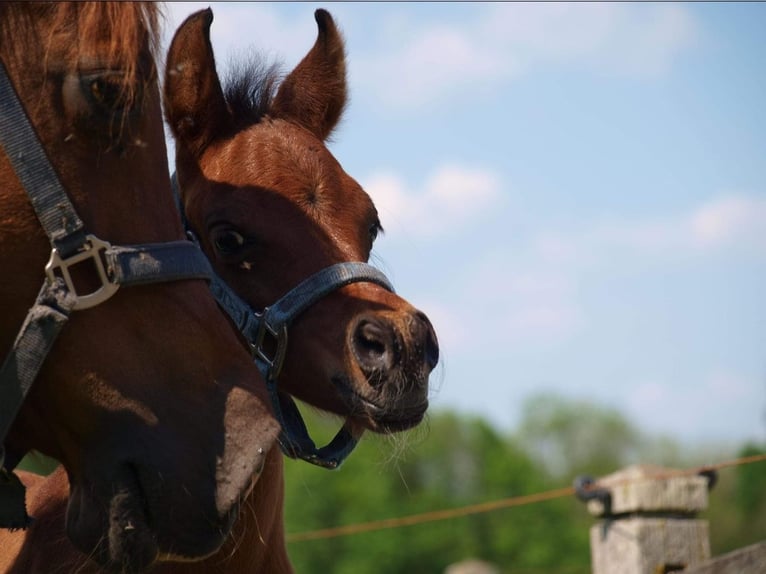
384,344
374,344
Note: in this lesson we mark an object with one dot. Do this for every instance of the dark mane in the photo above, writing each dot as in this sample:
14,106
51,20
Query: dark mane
249,88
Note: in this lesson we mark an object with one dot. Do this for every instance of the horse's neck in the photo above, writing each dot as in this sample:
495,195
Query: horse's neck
256,545
44,543
257,542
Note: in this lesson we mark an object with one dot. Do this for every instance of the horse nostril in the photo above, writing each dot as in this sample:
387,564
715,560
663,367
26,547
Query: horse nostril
374,345
432,350
431,342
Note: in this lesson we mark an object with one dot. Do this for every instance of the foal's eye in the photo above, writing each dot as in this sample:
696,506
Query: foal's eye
375,229
228,242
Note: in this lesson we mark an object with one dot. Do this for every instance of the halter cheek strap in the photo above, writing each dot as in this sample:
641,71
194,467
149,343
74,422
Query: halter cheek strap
272,324
58,297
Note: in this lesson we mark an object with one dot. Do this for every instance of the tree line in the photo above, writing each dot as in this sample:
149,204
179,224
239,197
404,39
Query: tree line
456,460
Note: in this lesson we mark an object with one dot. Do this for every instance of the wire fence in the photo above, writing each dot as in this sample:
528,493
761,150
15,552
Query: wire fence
447,514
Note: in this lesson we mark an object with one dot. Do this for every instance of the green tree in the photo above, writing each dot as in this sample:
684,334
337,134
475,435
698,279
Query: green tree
751,479
737,512
577,437
459,461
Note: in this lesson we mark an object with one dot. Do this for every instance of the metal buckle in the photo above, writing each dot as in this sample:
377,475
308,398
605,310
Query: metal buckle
91,249
273,364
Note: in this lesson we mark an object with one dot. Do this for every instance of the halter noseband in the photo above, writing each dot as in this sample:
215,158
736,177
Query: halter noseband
270,325
71,244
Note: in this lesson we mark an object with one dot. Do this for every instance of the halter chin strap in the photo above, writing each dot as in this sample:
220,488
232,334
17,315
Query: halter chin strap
70,245
267,329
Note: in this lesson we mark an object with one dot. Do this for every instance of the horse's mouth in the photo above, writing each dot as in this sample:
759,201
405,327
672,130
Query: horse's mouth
132,542
375,414
120,538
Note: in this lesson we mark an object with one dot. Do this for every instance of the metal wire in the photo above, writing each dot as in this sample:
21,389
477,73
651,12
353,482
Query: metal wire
446,514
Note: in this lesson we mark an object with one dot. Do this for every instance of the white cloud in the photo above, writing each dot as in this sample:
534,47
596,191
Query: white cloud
429,65
730,386
452,198
526,304
731,222
415,65
529,322
663,39
531,296
512,303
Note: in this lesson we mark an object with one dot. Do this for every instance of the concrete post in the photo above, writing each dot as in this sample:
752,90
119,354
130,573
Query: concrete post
648,523
472,567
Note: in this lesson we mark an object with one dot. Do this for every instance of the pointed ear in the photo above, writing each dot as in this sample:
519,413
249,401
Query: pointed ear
314,93
195,106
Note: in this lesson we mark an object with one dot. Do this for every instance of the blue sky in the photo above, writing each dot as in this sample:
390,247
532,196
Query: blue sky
574,193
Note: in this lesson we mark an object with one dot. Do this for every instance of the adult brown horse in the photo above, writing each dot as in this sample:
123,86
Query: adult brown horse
148,398
273,208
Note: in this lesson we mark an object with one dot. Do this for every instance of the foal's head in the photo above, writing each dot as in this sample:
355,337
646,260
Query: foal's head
149,399
272,206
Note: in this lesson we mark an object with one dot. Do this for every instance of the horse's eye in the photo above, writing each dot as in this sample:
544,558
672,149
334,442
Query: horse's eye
375,229
228,242
99,106
106,90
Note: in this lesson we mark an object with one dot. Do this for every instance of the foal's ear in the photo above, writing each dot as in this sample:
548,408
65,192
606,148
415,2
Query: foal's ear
314,93
195,106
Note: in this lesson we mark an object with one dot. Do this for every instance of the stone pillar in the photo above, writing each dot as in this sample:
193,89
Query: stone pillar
648,521
472,567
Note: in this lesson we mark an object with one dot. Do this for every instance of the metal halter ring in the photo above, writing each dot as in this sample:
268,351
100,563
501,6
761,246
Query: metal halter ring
273,364
92,249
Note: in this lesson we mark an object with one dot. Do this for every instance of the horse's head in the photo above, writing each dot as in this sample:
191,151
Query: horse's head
149,399
272,206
